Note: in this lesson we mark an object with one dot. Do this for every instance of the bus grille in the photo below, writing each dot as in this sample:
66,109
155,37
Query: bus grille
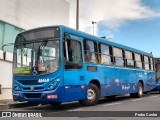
29,82
35,88
32,95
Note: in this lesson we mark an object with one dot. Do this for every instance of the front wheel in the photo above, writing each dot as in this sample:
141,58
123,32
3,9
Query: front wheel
93,94
139,94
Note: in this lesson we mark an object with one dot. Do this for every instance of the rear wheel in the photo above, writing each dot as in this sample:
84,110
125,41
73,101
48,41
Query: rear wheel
93,94
139,94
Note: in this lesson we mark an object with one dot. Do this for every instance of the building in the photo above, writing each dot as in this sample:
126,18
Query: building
19,15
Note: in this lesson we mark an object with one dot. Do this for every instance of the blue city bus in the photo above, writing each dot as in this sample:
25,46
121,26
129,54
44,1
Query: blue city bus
59,64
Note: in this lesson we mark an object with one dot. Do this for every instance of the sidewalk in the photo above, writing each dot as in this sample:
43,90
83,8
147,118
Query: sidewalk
4,104
10,104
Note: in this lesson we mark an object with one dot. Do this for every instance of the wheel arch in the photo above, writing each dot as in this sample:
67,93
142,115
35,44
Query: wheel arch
141,81
95,86
96,82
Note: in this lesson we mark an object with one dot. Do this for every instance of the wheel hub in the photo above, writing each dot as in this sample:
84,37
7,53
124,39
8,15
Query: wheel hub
91,94
140,90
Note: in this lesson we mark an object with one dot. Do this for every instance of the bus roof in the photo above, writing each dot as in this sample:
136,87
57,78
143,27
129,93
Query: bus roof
98,39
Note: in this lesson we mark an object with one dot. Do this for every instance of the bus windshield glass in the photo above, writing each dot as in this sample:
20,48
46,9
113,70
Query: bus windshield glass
38,56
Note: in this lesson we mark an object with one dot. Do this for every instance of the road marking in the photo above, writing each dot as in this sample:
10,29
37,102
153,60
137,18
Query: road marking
154,96
79,109
39,105
136,99
112,104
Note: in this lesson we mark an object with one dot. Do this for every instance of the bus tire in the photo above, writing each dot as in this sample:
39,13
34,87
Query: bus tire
139,94
93,94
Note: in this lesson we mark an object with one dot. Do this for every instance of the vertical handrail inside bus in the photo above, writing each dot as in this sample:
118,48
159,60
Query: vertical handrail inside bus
66,47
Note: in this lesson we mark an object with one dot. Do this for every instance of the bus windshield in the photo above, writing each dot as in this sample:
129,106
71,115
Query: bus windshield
35,55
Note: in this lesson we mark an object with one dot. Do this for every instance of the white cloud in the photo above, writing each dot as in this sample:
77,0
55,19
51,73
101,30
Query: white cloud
113,13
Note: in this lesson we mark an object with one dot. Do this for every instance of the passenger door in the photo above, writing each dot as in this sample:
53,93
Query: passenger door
74,83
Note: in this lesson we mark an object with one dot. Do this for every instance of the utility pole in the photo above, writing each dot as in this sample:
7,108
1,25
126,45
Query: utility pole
77,16
93,26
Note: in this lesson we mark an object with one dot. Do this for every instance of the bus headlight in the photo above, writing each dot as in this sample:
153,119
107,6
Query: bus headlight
58,80
15,87
51,87
53,84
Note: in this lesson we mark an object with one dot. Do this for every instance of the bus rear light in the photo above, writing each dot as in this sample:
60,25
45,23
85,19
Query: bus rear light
52,96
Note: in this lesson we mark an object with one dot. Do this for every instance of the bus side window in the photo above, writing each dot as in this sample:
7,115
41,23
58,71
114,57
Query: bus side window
104,53
138,61
129,59
151,64
146,63
90,51
74,54
118,55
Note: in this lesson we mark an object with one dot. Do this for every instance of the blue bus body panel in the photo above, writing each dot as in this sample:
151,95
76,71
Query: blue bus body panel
114,81
117,81
41,90
157,85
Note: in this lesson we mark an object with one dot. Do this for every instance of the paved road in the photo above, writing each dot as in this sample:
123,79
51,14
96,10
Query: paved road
149,102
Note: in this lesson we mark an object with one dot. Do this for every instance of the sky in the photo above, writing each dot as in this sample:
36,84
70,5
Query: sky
135,23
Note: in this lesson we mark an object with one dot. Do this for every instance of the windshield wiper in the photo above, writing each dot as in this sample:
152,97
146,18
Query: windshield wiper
44,42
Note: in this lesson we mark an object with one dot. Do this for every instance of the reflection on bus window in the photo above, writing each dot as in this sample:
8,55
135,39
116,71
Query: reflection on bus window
129,59
105,57
90,51
74,55
119,60
138,61
42,57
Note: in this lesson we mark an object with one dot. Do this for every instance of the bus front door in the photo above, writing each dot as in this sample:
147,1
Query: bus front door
75,88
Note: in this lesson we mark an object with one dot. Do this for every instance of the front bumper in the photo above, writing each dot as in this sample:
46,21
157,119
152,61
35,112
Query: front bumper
40,96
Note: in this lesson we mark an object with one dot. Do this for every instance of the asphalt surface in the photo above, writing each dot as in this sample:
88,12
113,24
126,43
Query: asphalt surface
149,102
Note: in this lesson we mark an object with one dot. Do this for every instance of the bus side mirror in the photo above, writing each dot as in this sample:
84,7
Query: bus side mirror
4,55
0,89
4,52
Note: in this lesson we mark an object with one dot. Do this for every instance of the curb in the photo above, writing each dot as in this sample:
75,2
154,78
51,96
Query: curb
21,105
3,106
4,103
